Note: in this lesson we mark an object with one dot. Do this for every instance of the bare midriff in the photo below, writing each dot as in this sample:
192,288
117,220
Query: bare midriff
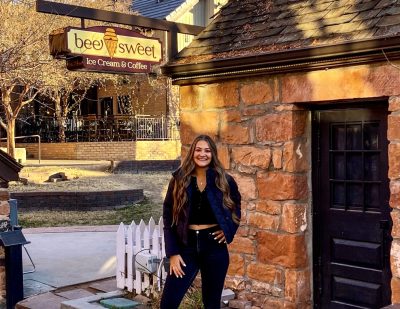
198,227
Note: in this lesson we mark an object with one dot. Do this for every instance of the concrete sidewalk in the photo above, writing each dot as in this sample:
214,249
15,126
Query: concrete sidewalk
68,256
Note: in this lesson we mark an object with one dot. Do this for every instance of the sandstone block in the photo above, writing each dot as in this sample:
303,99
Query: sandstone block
294,218
239,304
225,94
252,156
223,156
236,134
396,223
289,305
277,158
247,186
242,245
341,83
269,207
395,258
297,286
189,97
264,273
193,124
280,127
236,265
280,186
395,284
393,132
235,283
395,194
230,116
394,103
272,303
266,288
263,221
285,250
394,160
295,157
257,93
247,169
249,205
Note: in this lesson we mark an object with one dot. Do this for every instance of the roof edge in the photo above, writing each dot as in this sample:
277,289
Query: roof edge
321,57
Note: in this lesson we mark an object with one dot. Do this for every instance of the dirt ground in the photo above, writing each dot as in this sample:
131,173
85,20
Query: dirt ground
87,178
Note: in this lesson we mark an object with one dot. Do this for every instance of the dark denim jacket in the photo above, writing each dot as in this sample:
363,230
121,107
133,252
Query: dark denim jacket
176,235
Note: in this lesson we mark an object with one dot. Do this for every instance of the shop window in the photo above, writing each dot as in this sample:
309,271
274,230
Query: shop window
106,106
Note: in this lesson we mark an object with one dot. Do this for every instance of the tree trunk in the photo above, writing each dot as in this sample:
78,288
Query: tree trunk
61,119
11,137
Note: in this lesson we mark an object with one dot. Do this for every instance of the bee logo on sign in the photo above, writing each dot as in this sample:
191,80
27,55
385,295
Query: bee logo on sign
105,49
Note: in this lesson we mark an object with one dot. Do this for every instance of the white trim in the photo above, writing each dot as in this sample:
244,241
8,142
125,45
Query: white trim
181,10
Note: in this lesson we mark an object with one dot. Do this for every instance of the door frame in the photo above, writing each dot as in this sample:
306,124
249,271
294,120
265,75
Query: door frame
316,186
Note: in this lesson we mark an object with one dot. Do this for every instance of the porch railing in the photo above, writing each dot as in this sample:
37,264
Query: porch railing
94,129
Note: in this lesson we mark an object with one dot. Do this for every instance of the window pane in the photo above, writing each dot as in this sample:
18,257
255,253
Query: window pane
371,137
371,166
353,135
372,196
338,195
354,195
338,137
354,168
338,166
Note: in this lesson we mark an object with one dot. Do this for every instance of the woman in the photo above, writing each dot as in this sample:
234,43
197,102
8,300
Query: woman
201,215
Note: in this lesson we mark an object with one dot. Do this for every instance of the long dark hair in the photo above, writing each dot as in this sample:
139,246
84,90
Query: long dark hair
182,179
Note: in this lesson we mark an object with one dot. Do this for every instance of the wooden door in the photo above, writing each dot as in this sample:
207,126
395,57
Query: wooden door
351,224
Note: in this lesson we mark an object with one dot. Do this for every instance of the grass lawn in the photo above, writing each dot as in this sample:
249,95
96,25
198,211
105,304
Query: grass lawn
46,218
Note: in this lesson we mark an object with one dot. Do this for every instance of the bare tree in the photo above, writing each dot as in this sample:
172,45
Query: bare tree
26,68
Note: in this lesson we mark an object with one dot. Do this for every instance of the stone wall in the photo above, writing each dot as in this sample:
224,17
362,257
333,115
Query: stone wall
394,176
4,211
262,129
117,151
265,146
94,200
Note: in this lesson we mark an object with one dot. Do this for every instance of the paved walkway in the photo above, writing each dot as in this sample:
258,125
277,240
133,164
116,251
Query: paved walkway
66,257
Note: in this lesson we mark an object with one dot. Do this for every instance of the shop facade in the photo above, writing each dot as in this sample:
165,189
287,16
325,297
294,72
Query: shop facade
308,124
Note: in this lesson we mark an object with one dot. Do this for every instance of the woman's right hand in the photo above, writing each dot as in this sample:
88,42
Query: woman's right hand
175,266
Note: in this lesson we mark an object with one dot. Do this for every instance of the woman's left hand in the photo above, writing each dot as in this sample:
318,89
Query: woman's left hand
219,236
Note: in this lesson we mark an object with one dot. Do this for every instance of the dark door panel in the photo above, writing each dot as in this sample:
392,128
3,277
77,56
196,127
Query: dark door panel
351,208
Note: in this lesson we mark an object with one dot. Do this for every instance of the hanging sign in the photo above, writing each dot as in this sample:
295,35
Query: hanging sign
105,49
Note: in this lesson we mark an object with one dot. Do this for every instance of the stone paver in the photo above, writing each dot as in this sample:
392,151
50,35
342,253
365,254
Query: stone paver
42,301
74,294
105,286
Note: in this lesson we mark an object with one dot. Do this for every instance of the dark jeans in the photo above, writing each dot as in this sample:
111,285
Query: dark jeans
211,258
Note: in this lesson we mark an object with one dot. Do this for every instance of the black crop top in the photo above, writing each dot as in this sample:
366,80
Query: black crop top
200,211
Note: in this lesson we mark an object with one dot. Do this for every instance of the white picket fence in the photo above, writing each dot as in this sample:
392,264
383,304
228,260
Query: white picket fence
134,239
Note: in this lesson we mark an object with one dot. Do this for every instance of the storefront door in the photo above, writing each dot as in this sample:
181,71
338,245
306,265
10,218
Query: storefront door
351,222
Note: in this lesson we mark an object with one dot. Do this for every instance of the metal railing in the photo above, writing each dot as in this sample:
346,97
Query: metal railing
94,129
